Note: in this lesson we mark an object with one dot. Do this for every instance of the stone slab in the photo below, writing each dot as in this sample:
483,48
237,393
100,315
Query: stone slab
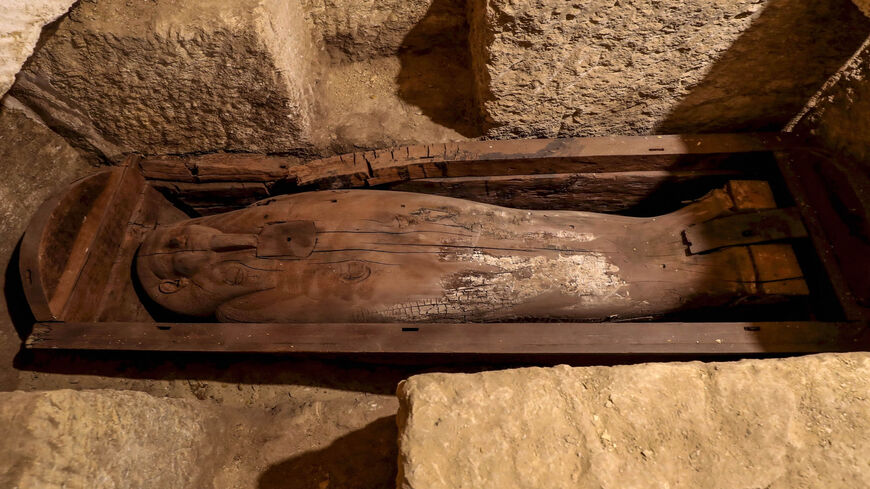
777,423
356,30
176,77
108,439
548,68
21,22
837,113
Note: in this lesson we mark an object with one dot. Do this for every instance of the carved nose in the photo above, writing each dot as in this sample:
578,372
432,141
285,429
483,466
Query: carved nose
232,242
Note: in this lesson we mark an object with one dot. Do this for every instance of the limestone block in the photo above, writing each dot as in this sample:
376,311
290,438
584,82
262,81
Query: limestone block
355,30
799,422
107,439
21,22
838,114
551,68
35,163
175,77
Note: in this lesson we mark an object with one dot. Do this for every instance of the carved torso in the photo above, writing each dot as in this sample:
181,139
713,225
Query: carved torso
379,256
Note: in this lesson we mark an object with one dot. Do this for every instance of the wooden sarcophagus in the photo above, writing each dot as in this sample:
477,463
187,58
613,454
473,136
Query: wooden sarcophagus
661,245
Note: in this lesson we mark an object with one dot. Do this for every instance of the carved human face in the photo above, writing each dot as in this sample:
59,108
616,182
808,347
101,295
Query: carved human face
194,269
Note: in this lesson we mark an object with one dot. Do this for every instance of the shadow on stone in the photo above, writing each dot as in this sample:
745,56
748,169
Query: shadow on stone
366,458
766,76
13,293
435,72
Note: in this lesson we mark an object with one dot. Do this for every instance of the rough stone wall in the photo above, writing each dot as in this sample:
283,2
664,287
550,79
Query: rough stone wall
354,30
21,22
178,77
314,77
548,68
34,163
798,422
839,114
107,439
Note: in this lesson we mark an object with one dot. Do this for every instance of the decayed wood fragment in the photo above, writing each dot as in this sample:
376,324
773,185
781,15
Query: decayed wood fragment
376,256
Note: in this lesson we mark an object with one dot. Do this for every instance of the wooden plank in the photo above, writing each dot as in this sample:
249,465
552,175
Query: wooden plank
536,156
647,192
104,246
474,158
55,240
745,228
835,205
776,266
212,194
477,339
79,251
218,167
121,302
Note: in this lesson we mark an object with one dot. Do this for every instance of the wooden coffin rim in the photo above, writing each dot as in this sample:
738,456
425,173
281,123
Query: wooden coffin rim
464,159
124,188
62,271
511,339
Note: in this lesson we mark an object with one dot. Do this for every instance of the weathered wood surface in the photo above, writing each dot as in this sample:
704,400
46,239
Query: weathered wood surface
121,301
213,195
471,158
57,242
222,167
745,228
103,246
78,250
484,340
834,199
611,174
636,192
375,256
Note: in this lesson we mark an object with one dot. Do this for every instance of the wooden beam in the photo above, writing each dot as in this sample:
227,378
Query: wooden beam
471,158
219,167
104,245
656,191
537,156
833,198
213,194
478,339
55,245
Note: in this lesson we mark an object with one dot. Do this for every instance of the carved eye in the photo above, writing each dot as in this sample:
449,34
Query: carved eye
354,272
178,242
232,275
170,286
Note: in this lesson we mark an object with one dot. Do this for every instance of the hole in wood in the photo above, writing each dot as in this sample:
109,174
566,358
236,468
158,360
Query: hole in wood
410,329
752,328
164,328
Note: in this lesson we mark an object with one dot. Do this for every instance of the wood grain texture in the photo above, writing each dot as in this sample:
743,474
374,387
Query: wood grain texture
486,340
121,301
776,266
834,200
222,167
646,192
56,240
104,246
377,256
473,158
609,174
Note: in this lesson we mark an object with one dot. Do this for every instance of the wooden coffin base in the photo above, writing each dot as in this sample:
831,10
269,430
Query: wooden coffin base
77,254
